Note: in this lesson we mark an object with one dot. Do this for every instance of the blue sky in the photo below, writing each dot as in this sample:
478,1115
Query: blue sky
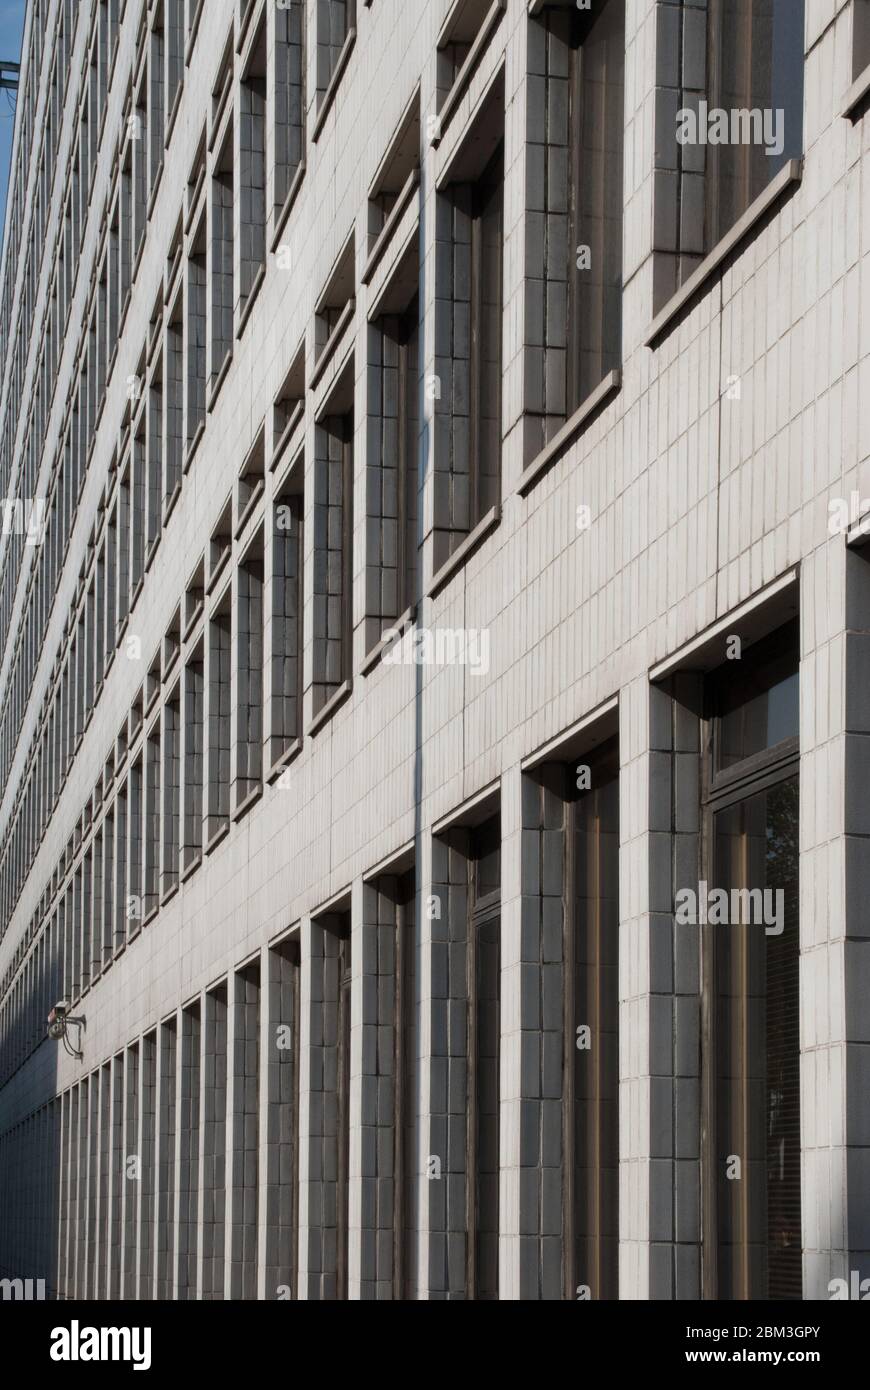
11,25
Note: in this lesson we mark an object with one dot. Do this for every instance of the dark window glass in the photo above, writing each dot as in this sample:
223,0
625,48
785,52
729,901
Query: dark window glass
758,1051
593,944
756,63
751,951
486,331
757,703
595,252
485,979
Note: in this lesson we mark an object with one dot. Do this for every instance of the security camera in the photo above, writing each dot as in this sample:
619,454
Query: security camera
59,1021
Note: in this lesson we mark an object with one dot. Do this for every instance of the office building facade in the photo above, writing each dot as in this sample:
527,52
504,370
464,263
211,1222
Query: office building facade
436,629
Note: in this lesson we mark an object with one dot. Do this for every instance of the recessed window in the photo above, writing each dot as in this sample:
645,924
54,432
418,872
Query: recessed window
288,409
249,672
751,954
252,166
288,518
468,346
335,306
219,718
333,540
860,37
222,275
574,209
738,82
394,428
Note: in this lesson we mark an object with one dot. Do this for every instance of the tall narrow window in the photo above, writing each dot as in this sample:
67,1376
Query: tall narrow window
155,458
287,609
335,27
171,723
156,99
484,981
147,1164
394,368
738,84
134,911
195,367
751,950
468,333
289,105
165,1224
130,1188
137,509
246,1133
173,445
193,693
117,1178
214,1140
188,1176
282,1099
152,822
222,253
252,167
756,65
592,1028
333,529
219,663
249,667
330,1112
487,233
174,45
575,127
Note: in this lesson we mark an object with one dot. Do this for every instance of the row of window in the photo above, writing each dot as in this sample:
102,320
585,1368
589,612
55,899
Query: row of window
184,361
20,463
182,378
735,1040
574,266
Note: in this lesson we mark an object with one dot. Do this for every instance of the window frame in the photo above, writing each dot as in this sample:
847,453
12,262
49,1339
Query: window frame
751,776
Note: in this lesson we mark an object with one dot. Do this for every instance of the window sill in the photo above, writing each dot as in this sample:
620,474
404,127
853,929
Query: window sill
466,72
173,280
169,506
218,381
328,96
332,342
216,838
171,665
217,572
284,761
400,626
155,189
168,894
192,867
190,632
459,556
173,115
856,95
194,29
149,916
787,177
193,446
330,707
244,806
284,211
569,431
296,416
256,286
389,227
250,507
